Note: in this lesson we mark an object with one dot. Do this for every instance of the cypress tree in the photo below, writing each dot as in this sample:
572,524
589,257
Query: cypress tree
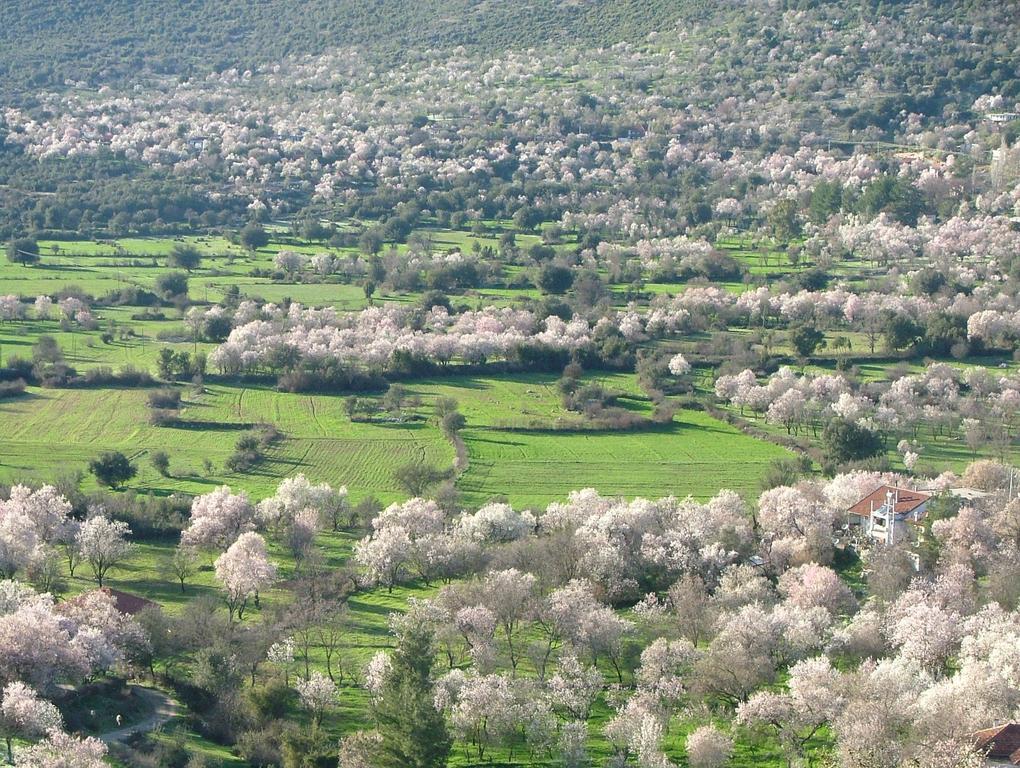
413,731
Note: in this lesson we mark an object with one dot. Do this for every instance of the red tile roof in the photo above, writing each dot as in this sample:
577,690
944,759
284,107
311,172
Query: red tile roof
906,500
128,603
1000,743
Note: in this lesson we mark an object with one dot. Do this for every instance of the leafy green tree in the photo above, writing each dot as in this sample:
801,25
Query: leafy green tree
848,441
24,251
806,339
928,281
826,200
217,327
186,257
783,221
112,469
554,278
253,237
413,732
527,218
371,241
313,229
900,331
897,197
172,285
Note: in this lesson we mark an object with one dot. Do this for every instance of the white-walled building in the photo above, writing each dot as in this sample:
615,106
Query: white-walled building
887,514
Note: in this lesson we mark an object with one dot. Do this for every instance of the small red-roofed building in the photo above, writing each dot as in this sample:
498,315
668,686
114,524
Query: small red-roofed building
127,603
999,745
889,515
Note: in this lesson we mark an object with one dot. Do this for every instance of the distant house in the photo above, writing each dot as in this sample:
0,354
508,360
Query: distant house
999,745
888,514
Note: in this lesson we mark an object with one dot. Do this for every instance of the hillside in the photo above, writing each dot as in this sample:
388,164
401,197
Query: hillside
44,43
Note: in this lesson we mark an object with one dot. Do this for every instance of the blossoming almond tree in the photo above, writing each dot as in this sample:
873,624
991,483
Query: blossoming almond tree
243,571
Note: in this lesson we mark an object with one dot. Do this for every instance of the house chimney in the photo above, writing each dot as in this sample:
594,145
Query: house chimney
890,517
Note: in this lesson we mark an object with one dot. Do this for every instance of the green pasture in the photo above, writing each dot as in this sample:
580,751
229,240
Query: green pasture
521,442
52,430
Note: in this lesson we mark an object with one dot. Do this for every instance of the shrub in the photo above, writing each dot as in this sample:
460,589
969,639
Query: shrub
104,376
165,398
452,423
17,368
163,417
12,388
260,747
161,462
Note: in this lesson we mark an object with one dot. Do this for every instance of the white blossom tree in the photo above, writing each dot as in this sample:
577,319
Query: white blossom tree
318,693
218,518
24,715
103,544
62,750
243,571
708,747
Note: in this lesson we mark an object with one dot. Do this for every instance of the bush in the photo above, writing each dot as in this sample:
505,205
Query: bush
452,423
165,398
260,747
307,748
14,388
17,368
273,699
248,449
784,472
161,462
53,374
331,379
148,515
104,376
163,417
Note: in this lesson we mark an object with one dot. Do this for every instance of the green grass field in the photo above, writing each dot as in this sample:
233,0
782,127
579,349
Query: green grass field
54,430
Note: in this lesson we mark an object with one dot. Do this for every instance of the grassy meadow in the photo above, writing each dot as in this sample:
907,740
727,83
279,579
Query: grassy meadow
55,430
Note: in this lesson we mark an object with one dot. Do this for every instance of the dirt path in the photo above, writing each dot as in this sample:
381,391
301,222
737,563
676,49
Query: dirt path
163,709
